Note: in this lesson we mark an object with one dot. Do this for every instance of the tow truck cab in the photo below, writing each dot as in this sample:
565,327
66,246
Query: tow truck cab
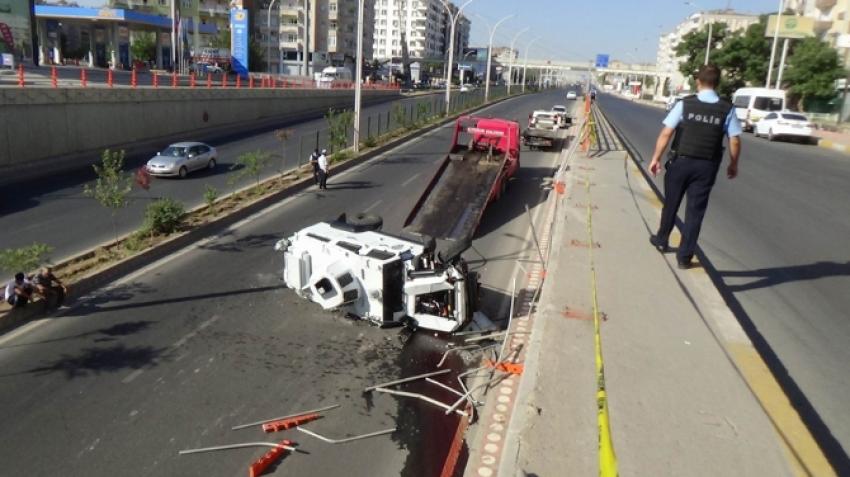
376,276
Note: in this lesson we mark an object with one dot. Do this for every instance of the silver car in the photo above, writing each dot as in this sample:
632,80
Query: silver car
181,158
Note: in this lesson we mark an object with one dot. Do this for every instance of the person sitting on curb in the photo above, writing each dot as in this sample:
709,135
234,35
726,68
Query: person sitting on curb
19,291
48,286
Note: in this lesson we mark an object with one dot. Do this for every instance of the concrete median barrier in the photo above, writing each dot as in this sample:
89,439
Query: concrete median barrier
45,131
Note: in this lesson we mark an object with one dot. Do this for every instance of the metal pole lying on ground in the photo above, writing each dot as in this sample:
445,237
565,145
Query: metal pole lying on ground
241,446
407,380
425,398
312,411
347,439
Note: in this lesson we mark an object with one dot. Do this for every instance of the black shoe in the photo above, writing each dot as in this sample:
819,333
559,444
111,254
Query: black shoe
656,242
684,264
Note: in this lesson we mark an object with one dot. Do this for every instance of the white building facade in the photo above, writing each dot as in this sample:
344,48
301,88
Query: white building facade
666,59
424,24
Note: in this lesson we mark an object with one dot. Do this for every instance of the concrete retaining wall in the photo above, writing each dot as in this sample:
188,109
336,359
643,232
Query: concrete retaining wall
53,129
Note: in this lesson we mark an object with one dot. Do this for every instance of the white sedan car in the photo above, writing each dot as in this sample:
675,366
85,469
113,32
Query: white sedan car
181,158
571,95
785,124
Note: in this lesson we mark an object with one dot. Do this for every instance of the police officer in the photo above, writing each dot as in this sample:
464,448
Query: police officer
699,121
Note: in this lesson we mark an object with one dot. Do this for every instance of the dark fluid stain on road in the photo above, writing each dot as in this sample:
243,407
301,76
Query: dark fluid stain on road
423,429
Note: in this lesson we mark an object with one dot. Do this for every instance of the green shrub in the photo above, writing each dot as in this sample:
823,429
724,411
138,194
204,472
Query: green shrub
163,216
210,196
24,259
370,142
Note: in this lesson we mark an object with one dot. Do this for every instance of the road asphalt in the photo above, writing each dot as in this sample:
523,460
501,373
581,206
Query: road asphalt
776,239
171,357
53,211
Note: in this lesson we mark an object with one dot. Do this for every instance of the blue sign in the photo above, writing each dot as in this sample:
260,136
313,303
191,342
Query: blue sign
601,61
239,41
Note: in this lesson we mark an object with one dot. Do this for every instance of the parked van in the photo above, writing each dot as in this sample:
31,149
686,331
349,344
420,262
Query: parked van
334,73
752,104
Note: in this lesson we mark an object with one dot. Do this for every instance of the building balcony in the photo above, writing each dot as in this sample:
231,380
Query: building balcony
333,14
290,45
290,11
825,4
290,28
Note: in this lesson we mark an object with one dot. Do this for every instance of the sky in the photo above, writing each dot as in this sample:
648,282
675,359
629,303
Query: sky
628,30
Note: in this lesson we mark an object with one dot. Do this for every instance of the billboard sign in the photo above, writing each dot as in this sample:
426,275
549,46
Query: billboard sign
791,26
239,41
602,61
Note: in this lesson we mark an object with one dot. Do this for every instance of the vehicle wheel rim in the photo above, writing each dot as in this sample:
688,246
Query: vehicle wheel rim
211,165
182,172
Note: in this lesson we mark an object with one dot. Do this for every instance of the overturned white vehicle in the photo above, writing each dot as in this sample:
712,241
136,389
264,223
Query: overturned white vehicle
390,280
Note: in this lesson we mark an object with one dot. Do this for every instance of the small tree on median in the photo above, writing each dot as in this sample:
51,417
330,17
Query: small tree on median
250,164
113,185
338,124
283,136
24,259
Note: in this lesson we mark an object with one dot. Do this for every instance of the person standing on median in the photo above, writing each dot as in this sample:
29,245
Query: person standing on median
323,169
699,122
314,161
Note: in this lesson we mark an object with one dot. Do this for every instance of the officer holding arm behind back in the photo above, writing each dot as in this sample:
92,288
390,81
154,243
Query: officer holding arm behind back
699,122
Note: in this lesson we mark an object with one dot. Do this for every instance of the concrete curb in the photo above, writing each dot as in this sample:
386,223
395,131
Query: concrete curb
18,316
833,146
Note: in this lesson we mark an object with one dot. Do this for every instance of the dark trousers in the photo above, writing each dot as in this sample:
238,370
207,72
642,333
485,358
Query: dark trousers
693,178
17,301
323,179
316,172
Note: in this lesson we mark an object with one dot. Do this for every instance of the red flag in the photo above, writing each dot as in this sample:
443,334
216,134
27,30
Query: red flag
6,33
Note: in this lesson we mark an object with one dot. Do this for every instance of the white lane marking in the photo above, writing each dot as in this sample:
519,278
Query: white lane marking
177,344
411,179
130,377
173,256
374,204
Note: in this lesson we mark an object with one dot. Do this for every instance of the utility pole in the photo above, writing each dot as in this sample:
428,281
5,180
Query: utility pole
782,63
449,65
525,63
305,50
359,80
511,63
174,34
775,41
269,41
490,54
708,44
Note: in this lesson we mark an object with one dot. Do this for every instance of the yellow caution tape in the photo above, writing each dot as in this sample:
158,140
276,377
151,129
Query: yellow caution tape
607,457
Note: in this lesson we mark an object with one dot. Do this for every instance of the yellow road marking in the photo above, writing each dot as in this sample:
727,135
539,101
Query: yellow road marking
803,452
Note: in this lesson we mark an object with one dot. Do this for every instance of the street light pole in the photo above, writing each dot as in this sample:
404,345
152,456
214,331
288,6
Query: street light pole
359,81
305,46
269,43
775,41
708,44
525,62
462,75
490,53
453,19
782,63
511,63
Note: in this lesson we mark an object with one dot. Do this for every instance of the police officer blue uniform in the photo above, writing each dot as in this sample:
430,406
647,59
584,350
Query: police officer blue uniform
700,123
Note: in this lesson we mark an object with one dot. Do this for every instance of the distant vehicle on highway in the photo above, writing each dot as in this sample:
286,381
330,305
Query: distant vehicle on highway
593,93
785,125
465,88
572,95
204,68
673,100
181,158
752,104
562,115
334,74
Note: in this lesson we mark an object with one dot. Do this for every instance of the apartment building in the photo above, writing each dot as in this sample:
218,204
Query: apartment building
666,59
331,33
831,21
425,25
